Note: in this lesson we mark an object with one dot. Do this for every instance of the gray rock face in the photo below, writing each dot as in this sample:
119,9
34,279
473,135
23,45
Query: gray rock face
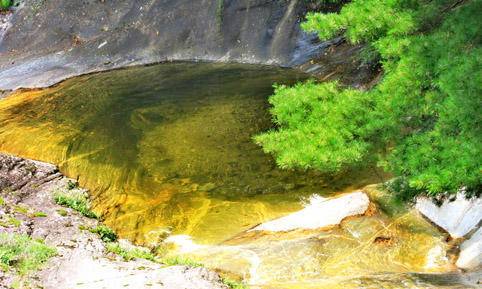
48,41
471,252
457,217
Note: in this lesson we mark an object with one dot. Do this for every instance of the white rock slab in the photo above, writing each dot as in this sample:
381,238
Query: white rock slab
471,252
458,217
320,212
184,243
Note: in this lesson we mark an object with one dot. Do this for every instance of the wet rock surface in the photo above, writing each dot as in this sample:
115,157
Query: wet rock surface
470,257
457,216
82,261
45,42
49,41
338,60
4,22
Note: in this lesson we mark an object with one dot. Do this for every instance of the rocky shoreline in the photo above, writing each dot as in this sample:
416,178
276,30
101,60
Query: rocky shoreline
82,260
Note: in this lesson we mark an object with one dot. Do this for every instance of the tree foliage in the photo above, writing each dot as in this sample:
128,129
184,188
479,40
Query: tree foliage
23,254
4,4
422,120
321,126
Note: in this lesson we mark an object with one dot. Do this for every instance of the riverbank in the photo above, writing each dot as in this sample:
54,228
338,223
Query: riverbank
79,256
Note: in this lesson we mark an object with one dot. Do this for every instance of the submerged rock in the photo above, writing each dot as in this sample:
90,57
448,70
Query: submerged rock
320,212
471,252
457,217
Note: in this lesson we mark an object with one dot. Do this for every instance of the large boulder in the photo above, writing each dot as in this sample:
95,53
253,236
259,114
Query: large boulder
320,212
458,217
471,252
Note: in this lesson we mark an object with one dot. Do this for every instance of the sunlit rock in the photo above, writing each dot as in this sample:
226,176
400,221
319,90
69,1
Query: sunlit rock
457,217
471,252
183,243
435,257
320,212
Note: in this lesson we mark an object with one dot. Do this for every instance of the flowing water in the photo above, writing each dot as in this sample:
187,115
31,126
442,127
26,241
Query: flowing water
167,150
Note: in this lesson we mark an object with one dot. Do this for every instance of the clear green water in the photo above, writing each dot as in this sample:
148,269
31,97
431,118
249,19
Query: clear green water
167,149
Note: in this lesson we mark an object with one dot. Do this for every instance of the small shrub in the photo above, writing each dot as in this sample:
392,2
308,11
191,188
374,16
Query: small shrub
39,215
105,233
62,212
173,261
401,189
83,228
130,254
22,254
234,284
76,200
5,4
20,209
14,222
10,221
71,185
